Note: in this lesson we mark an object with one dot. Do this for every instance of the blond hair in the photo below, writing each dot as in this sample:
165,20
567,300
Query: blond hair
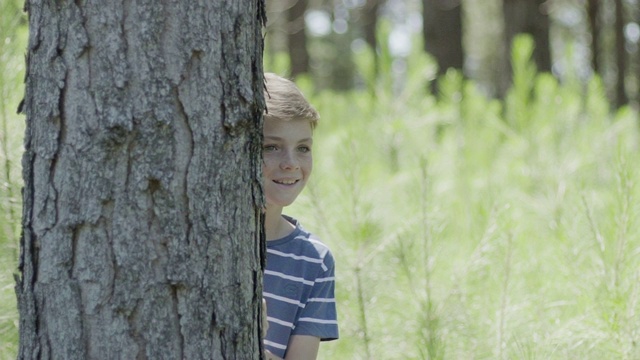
286,102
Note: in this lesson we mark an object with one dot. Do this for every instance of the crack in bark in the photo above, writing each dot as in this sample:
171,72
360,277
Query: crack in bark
28,264
176,308
183,123
136,336
114,264
261,12
58,119
75,234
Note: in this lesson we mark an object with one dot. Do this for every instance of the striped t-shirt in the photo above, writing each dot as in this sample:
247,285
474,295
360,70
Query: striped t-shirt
299,290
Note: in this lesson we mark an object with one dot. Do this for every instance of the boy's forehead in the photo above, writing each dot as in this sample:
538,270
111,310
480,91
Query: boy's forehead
284,124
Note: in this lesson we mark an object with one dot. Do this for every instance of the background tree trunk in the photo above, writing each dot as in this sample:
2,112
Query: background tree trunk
297,38
636,60
442,32
621,56
593,11
369,20
530,17
141,227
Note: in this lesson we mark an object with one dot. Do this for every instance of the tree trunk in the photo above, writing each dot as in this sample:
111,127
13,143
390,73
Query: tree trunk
636,61
621,56
593,11
141,221
528,17
369,22
297,38
442,32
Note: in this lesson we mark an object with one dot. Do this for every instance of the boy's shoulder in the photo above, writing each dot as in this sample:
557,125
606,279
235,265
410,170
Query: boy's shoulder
303,243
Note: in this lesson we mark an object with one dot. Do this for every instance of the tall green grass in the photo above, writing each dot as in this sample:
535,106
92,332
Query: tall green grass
468,228
13,36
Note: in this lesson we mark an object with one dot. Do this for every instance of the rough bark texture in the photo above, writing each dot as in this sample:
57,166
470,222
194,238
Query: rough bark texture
141,222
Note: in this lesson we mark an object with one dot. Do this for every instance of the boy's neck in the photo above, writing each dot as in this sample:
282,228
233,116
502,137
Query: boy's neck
275,226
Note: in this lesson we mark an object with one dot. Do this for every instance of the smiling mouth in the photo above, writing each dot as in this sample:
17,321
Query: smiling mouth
285,182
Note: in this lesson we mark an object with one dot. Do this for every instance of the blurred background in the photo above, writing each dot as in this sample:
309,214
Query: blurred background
573,38
476,172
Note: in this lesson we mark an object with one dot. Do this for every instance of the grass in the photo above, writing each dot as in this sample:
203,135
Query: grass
12,46
468,228
463,227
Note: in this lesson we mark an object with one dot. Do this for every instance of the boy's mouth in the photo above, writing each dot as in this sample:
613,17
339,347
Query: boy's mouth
285,182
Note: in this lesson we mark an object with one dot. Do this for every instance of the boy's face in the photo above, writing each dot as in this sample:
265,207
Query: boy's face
287,160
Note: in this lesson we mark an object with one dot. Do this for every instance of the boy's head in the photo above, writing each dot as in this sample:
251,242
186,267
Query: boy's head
285,102
287,142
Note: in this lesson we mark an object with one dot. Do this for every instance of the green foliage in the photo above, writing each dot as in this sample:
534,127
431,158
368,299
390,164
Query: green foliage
466,227
277,63
13,36
524,76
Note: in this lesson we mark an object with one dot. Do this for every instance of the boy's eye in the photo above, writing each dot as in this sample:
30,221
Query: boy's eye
269,148
304,149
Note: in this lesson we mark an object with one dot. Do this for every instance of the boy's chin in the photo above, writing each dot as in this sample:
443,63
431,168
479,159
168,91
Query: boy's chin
277,205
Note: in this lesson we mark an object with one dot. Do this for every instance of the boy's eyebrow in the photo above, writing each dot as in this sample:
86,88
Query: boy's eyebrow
277,138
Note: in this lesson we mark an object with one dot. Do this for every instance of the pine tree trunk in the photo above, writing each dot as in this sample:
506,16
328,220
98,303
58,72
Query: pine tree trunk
369,20
538,14
621,56
141,221
593,10
442,32
528,17
297,38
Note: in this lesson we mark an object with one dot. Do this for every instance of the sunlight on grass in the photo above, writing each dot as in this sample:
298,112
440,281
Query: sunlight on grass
13,37
8,313
459,233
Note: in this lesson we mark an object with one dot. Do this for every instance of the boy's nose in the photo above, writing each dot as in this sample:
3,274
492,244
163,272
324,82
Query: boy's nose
289,162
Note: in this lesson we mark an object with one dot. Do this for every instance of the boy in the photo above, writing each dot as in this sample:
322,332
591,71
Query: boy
299,273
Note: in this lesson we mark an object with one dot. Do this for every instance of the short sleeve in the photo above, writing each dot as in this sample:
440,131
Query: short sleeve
319,316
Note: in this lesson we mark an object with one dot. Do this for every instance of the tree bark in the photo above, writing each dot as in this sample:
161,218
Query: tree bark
297,38
142,197
442,32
